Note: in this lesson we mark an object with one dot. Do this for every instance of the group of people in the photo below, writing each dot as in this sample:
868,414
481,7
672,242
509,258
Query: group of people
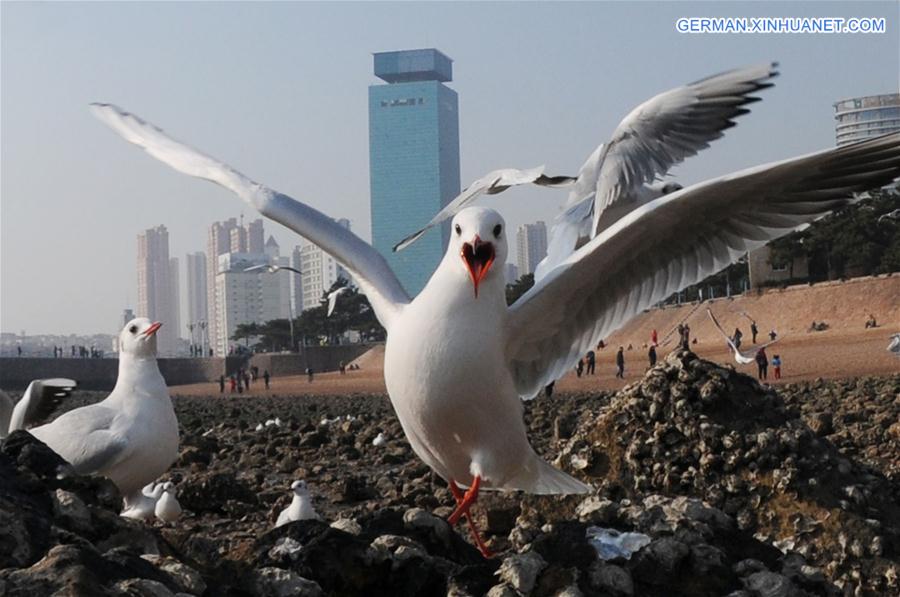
762,364
242,379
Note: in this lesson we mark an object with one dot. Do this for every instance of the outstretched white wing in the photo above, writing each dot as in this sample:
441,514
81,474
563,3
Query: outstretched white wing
670,127
39,400
658,134
332,299
739,357
674,242
491,184
371,272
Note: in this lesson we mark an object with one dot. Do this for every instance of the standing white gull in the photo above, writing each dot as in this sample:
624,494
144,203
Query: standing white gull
739,357
144,506
894,345
131,436
167,508
301,506
457,359
40,398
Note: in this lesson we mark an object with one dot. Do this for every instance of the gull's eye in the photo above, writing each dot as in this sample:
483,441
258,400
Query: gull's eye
133,329
458,229
497,230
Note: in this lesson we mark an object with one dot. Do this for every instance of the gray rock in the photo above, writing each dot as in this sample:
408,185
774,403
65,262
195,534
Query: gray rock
612,579
69,506
275,582
521,571
141,587
185,578
502,590
770,584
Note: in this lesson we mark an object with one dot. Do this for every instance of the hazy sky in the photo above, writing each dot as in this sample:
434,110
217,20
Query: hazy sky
279,91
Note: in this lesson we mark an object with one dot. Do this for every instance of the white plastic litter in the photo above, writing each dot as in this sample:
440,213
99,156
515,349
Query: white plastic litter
611,544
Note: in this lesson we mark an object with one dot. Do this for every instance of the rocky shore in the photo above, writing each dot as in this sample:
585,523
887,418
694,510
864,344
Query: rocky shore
739,490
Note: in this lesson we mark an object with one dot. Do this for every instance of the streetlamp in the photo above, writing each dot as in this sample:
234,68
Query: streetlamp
271,268
190,328
204,338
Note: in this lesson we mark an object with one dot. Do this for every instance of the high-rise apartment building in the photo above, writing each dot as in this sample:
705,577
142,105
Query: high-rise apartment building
226,237
195,283
156,299
176,297
531,246
320,271
297,281
413,158
244,297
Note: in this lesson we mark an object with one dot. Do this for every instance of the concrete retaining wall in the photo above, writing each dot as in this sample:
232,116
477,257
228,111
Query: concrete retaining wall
100,374
319,358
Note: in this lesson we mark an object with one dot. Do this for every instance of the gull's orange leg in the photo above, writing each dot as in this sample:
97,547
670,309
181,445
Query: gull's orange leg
463,503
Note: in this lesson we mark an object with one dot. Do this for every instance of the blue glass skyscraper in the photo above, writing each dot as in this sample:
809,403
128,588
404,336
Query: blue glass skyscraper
413,158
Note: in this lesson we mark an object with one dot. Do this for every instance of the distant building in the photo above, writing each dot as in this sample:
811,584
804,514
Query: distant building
320,271
156,299
176,297
413,158
297,281
223,238
761,272
285,277
243,297
861,118
195,284
531,245
510,273
127,315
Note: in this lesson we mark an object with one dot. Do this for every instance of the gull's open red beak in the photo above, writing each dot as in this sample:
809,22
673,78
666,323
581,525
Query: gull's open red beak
478,257
152,329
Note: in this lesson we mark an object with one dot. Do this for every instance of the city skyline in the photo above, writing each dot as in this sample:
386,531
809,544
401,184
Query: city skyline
300,124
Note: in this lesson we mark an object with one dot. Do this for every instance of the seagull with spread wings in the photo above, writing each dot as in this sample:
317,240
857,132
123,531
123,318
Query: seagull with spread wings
739,357
458,359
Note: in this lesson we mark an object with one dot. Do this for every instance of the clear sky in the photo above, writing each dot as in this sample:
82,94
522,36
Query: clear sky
278,90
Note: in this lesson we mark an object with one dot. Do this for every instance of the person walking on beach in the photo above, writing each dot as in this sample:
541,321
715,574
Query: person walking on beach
651,355
762,363
266,377
737,337
776,366
309,374
654,338
591,362
221,384
579,368
620,363
753,330
233,382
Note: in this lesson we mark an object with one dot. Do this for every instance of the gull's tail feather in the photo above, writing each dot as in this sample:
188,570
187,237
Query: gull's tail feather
544,479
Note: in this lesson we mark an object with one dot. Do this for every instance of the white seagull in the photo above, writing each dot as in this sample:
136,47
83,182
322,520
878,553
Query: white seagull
301,506
144,506
40,398
333,297
491,184
131,436
894,344
379,440
739,357
167,508
457,358
271,268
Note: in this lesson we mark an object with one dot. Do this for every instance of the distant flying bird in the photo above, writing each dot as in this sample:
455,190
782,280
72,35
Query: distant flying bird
739,357
491,184
270,268
457,358
41,397
332,299
301,506
131,436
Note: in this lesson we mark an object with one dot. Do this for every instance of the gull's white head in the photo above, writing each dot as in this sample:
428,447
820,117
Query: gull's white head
477,242
299,488
138,337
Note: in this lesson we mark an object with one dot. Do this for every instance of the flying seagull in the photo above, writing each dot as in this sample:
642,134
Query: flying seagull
739,357
132,435
491,184
457,358
332,299
618,177
270,268
41,397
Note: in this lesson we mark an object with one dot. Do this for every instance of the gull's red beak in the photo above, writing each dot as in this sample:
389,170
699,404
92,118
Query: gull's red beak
152,329
478,257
